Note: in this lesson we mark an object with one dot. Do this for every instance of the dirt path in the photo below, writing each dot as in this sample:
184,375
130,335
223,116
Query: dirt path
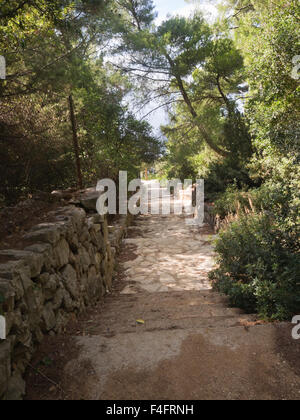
190,345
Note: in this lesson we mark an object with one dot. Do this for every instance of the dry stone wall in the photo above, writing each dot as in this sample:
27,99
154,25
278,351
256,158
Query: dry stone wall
64,267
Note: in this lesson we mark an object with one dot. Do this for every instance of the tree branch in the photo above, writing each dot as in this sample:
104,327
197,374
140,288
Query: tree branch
12,13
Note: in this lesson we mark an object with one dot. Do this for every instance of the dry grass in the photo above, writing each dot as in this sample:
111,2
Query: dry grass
222,224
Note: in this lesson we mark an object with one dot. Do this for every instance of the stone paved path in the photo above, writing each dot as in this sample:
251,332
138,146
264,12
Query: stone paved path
191,345
165,247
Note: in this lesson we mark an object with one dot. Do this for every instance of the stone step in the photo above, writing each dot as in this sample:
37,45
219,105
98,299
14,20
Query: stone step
183,298
196,325
171,311
110,328
154,312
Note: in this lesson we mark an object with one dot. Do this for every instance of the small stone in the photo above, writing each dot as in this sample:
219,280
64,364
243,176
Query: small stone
70,281
62,253
16,388
48,317
34,261
4,366
48,233
58,299
44,278
68,303
85,259
50,287
89,199
7,294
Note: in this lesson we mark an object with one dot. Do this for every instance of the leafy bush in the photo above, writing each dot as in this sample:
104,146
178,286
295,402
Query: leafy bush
35,148
231,201
259,269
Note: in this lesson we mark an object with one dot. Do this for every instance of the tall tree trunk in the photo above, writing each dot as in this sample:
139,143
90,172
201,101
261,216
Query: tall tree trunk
75,142
206,137
200,126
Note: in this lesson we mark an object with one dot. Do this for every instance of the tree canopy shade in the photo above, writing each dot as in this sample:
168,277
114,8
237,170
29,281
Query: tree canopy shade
38,39
54,51
136,14
175,56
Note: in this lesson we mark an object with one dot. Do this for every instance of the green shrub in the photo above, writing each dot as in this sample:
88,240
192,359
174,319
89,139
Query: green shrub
231,200
259,269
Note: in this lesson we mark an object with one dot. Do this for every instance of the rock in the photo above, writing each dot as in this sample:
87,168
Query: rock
50,287
111,229
85,235
85,260
64,225
39,298
113,252
7,296
97,238
58,194
91,252
60,322
26,281
58,299
72,259
61,253
105,231
14,320
127,264
48,317
39,248
97,219
97,228
49,233
73,240
23,338
90,223
33,260
98,259
5,361
89,199
43,279
12,271
94,284
47,252
78,217
43,196
68,303
104,268
166,279
38,335
70,281
16,388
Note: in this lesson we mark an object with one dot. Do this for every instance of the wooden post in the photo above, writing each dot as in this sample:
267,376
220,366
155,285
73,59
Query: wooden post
75,142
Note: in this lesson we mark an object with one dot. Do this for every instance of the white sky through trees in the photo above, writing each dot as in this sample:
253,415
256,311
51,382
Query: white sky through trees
184,8
173,8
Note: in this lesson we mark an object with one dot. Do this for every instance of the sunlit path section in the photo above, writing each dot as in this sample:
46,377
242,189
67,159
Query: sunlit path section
171,255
